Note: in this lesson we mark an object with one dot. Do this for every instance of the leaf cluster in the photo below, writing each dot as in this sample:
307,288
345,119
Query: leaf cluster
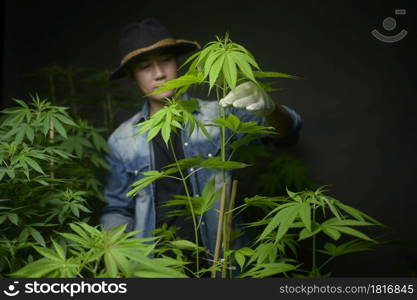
90,252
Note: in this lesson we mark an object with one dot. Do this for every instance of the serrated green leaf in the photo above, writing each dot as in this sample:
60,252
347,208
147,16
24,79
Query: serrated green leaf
331,232
215,70
209,62
305,215
13,218
266,270
166,132
240,259
260,74
354,232
30,133
58,126
59,250
66,120
37,269
184,244
229,71
217,163
241,60
110,264
37,236
47,253
34,165
305,233
288,216
153,132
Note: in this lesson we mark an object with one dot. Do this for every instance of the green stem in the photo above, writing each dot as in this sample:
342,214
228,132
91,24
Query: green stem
326,262
95,268
231,154
191,173
84,263
236,208
223,155
314,243
221,232
173,177
223,143
190,204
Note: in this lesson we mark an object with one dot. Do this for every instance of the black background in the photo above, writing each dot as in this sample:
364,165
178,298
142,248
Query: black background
357,95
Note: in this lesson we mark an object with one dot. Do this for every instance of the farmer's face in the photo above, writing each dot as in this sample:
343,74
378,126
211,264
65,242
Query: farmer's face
153,70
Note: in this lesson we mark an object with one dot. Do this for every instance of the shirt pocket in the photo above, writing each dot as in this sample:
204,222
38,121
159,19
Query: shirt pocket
134,172
207,148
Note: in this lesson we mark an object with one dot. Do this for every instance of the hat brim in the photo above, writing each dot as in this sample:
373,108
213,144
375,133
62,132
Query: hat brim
179,47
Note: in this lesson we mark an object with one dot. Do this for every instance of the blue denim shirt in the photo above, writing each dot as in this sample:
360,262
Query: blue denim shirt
131,154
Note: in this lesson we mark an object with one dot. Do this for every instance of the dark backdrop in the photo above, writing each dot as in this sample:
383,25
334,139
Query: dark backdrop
357,95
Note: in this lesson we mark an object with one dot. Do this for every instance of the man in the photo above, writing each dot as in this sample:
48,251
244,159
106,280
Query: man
149,57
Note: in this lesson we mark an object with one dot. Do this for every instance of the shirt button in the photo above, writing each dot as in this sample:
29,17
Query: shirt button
209,155
186,144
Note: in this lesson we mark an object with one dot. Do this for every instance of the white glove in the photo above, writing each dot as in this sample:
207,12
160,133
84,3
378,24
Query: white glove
250,97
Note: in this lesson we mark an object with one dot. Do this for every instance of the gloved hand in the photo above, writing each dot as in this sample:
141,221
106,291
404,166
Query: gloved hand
250,97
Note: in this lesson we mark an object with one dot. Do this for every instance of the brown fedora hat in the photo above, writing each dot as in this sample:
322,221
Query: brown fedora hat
149,35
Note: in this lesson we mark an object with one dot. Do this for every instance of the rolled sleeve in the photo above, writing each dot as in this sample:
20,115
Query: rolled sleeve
293,137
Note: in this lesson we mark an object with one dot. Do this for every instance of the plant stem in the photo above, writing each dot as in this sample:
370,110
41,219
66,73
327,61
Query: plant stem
314,243
51,141
224,186
223,143
51,124
174,177
191,173
326,262
187,192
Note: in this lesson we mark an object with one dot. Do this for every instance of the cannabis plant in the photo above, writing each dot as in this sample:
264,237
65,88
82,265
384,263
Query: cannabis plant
48,165
47,181
222,65
90,252
301,216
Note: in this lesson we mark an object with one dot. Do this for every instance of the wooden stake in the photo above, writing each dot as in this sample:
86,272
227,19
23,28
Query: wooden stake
229,222
219,230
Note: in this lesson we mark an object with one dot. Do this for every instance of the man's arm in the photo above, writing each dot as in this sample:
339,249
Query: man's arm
119,209
288,124
281,120
250,97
